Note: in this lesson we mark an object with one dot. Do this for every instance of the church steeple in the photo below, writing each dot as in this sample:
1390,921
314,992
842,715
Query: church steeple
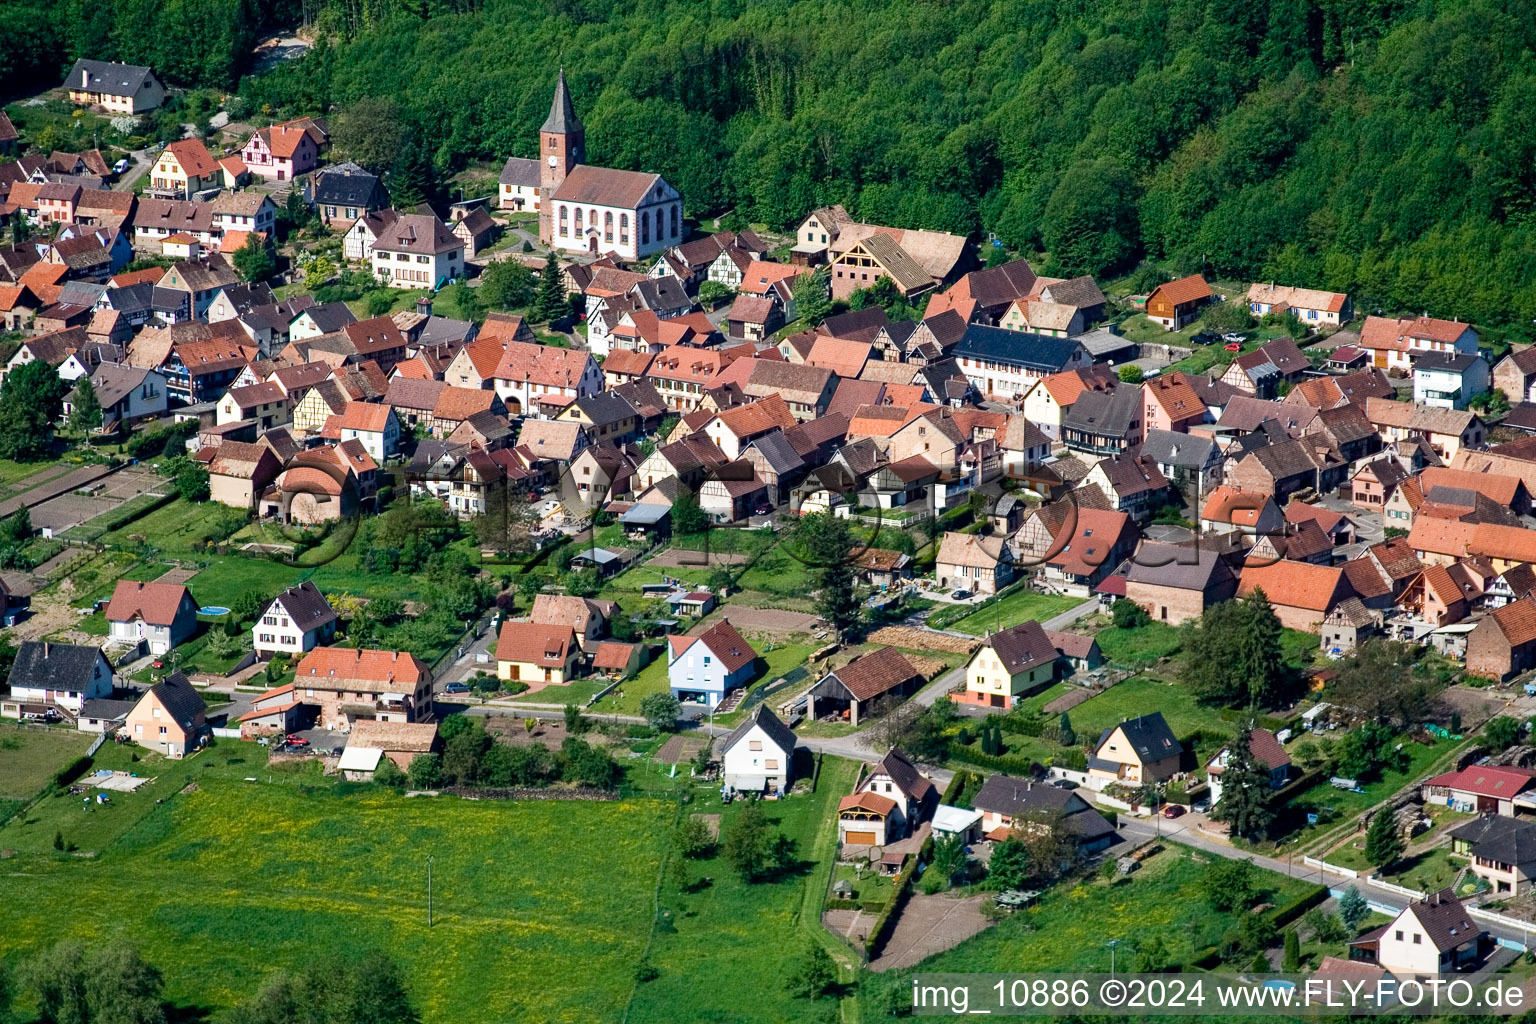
562,118
562,140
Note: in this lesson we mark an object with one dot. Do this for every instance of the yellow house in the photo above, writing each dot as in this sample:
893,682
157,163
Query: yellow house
1137,750
535,653
185,167
1011,664
319,404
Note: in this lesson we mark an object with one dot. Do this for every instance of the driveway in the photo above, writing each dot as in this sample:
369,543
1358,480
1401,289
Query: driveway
142,161
929,925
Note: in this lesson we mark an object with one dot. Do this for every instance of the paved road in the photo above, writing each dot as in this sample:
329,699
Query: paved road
142,161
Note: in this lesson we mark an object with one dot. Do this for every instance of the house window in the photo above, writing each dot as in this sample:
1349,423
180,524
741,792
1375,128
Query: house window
754,744
772,764
1418,940
608,225
674,222
565,226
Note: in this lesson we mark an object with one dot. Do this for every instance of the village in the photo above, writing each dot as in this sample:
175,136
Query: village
955,571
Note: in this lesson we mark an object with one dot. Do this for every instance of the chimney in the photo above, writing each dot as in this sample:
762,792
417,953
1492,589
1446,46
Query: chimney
424,305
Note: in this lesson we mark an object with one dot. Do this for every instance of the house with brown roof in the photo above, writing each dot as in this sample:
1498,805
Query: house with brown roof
536,652
1176,303
1442,594
1010,664
156,615
416,250
1515,375
1503,643
351,684
1233,510
1175,584
1446,431
284,151
238,473
296,621
1301,594
1286,467
587,618
846,693
1262,371
184,167
526,374
1266,751
1395,344
1077,546
170,718
1430,937
702,669
1313,307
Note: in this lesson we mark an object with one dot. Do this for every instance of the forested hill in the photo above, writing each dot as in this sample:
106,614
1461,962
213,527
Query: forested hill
1384,148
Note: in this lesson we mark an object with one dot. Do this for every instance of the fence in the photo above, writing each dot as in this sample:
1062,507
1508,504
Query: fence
227,734
1500,919
90,751
1334,869
1401,890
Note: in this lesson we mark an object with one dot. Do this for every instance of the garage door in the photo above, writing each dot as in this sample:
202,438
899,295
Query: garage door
859,838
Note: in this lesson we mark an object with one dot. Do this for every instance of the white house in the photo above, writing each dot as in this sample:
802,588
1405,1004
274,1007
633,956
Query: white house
374,426
48,675
417,251
519,185
703,669
527,373
759,754
161,615
1432,936
1449,380
298,620
1398,344
1266,750
357,243
125,393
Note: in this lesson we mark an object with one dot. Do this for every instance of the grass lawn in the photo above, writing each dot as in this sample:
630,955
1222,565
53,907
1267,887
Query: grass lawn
29,758
180,527
348,872
1140,645
1420,756
1143,694
1020,606
743,937
1429,871
543,910
1068,928
867,884
631,581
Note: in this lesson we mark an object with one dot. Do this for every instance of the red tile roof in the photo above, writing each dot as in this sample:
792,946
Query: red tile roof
155,603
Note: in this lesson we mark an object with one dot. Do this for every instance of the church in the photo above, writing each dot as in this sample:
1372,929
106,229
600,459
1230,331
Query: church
599,210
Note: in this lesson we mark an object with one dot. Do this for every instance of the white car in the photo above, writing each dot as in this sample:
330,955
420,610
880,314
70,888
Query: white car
121,166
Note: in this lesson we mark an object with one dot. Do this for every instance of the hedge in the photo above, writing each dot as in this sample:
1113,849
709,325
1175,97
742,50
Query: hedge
868,906
1283,916
117,520
72,771
955,788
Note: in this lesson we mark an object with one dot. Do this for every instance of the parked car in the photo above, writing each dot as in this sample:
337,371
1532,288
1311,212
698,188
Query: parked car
1206,338
1173,810
1233,346
456,688
297,741
961,594
1231,336
1064,784
764,509
121,166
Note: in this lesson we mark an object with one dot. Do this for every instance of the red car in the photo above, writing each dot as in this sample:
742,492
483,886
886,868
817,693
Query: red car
1233,346
297,741
1173,810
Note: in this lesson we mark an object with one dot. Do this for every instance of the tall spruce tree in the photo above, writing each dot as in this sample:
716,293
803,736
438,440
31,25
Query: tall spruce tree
549,301
1383,840
1244,803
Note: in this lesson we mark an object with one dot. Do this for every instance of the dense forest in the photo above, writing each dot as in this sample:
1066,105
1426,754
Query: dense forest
1386,148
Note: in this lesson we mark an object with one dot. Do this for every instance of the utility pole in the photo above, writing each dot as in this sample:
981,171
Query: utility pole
429,893
1112,943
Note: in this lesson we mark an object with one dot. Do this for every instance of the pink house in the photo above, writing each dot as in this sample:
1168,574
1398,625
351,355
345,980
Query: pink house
282,151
